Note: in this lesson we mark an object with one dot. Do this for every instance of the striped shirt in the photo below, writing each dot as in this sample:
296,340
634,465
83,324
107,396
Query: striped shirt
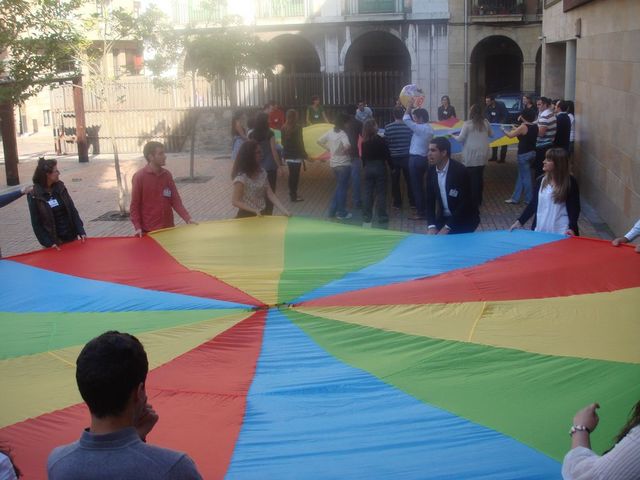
398,137
547,119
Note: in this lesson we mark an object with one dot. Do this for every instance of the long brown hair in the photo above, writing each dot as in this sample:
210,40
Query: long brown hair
246,160
559,177
476,115
369,130
291,121
44,167
634,420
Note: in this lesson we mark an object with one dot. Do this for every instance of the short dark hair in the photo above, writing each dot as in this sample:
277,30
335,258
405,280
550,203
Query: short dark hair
490,97
398,113
43,168
340,122
564,105
150,148
421,113
109,368
314,98
442,144
545,100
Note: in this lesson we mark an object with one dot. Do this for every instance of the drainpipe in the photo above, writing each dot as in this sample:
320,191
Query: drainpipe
466,57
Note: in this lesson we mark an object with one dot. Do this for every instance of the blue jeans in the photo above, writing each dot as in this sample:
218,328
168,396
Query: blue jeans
523,182
417,172
375,191
356,182
339,199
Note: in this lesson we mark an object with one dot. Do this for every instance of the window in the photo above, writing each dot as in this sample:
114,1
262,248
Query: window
46,117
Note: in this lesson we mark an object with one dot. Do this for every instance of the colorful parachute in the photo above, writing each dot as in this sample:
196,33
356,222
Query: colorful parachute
295,348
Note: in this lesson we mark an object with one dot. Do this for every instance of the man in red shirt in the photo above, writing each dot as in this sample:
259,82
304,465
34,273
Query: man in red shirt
154,195
276,115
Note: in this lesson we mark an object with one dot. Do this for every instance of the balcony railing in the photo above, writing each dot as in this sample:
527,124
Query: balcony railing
363,7
497,7
281,8
197,12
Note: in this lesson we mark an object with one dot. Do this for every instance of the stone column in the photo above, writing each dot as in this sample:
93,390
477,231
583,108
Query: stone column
570,71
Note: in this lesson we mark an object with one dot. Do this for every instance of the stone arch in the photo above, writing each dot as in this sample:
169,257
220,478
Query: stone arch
296,54
376,50
496,66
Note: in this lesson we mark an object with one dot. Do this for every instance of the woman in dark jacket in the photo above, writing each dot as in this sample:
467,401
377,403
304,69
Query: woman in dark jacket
294,152
375,157
556,198
54,217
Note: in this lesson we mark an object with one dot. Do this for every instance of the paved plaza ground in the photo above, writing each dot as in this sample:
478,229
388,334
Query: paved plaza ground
93,188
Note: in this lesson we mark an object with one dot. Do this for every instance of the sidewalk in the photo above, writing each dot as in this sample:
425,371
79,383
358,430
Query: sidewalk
93,188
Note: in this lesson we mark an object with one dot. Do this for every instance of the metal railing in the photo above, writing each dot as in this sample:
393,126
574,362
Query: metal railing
281,8
497,7
359,7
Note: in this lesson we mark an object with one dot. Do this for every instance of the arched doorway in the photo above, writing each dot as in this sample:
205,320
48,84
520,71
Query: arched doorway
295,54
380,66
496,66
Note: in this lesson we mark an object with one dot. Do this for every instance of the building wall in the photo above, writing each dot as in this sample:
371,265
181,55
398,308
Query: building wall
524,33
607,103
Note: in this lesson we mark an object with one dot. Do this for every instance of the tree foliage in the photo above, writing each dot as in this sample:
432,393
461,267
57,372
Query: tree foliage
230,51
37,43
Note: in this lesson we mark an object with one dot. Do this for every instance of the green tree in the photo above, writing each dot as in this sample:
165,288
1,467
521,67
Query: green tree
107,28
230,51
37,42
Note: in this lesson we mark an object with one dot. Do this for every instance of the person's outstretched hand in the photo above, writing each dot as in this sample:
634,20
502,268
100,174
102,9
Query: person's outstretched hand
587,417
138,233
146,421
619,241
517,224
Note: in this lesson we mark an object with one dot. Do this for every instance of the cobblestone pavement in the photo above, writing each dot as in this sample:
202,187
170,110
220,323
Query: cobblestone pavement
93,188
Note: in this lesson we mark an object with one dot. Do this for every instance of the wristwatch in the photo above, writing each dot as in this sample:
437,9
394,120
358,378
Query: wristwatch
578,428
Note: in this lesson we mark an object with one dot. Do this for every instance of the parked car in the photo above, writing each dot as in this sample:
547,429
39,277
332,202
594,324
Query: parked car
513,102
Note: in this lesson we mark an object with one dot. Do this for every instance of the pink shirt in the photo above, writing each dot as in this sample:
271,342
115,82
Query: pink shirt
154,196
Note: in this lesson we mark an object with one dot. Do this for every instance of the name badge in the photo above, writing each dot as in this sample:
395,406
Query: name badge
453,193
445,112
493,114
53,203
166,193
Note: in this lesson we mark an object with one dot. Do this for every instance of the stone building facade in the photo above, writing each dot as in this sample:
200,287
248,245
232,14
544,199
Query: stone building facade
592,54
498,53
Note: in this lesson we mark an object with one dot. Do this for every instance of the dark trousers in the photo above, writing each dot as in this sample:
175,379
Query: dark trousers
417,172
400,166
503,153
537,165
272,177
476,177
375,191
294,179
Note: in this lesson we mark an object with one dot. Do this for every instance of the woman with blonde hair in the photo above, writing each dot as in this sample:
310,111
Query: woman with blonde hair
474,137
293,151
556,203
375,158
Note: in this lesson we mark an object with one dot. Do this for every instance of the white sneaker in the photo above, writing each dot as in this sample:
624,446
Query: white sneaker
345,217
367,225
510,201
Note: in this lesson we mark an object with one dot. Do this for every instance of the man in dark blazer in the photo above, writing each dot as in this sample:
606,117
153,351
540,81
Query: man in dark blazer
449,205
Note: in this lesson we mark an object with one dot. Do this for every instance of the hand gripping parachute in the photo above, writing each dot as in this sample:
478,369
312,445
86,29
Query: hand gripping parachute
294,348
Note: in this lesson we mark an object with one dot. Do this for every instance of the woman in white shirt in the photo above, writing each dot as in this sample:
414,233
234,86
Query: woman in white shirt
556,203
474,136
622,462
336,142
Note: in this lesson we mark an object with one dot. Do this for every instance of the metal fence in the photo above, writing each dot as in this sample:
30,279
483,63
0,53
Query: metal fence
142,112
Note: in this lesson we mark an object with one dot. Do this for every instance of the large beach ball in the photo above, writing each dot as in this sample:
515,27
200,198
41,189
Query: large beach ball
412,91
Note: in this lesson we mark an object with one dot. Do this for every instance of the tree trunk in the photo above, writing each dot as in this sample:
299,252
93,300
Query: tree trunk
9,143
193,127
81,124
